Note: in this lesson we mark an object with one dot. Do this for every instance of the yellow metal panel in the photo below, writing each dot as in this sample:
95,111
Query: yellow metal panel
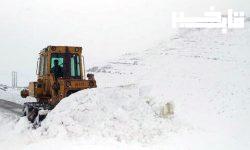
32,89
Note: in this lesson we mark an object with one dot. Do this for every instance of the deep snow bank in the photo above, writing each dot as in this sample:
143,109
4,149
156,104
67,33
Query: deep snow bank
121,113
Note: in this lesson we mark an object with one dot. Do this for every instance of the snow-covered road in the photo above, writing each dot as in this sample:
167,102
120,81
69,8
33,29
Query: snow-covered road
10,107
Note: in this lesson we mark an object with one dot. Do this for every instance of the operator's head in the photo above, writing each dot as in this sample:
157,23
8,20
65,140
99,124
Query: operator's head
56,62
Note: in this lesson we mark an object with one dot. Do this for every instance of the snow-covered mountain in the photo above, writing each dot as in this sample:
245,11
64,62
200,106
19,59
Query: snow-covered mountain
203,72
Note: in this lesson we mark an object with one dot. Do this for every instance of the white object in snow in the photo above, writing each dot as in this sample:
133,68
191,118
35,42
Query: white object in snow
168,110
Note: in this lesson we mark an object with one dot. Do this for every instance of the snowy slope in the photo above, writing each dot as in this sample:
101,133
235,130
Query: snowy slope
203,72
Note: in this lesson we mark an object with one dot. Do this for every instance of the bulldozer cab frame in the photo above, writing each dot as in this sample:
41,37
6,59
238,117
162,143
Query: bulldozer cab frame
69,59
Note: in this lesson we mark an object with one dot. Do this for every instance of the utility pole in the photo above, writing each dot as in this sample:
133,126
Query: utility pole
14,79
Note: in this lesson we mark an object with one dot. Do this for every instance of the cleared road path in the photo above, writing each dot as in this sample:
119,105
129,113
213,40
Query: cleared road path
11,107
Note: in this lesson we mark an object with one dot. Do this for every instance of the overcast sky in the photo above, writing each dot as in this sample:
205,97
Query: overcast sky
104,28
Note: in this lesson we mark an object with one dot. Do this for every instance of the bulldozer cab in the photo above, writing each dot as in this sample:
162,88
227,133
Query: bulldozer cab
61,72
62,62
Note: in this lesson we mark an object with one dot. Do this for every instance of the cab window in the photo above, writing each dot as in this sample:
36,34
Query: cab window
70,64
75,65
41,66
58,57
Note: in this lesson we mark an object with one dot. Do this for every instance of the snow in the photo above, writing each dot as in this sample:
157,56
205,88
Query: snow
120,113
203,72
13,95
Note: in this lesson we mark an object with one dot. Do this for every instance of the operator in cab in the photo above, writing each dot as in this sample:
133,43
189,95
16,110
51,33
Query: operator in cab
57,70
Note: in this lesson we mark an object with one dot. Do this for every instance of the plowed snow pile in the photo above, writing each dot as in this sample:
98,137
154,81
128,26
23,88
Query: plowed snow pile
120,113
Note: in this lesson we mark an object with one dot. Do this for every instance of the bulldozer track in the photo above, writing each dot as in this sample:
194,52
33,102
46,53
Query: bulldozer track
11,107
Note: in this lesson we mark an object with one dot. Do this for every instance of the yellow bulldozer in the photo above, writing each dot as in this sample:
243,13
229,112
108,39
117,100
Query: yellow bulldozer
60,72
